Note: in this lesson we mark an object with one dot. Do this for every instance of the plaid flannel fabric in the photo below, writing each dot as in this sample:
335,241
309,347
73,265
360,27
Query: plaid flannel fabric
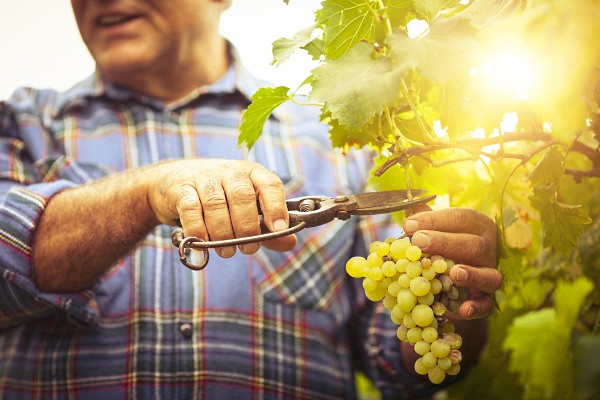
267,326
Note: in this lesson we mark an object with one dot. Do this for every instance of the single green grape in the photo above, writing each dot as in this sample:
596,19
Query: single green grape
374,260
398,249
376,274
398,313
428,299
393,288
430,334
408,321
401,333
419,286
414,269
420,368
406,300
428,273
422,315
389,300
454,369
436,375
374,246
401,265
436,286
355,267
422,348
383,249
429,360
440,349
440,266
414,334
389,268
369,284
377,294
444,363
404,281
413,253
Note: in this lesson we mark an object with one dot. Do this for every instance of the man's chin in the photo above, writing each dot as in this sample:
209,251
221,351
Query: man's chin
122,69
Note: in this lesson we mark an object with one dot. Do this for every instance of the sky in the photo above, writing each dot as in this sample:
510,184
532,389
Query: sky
41,47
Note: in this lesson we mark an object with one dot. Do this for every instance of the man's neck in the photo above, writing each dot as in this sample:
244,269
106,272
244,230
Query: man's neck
177,79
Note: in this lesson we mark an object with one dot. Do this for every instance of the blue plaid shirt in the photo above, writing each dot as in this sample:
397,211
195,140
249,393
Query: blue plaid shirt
268,326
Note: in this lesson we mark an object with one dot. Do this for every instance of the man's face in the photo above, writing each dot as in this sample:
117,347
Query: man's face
128,37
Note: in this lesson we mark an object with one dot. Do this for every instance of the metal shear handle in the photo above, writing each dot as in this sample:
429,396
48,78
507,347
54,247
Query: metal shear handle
192,242
306,212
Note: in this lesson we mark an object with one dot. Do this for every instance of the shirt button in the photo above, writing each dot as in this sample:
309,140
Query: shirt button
186,329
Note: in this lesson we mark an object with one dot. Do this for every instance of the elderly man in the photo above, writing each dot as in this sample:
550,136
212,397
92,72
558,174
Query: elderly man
94,303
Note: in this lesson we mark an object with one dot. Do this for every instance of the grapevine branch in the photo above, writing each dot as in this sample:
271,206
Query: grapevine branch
592,154
475,146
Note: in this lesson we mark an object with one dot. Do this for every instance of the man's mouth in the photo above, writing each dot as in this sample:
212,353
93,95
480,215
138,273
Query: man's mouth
112,20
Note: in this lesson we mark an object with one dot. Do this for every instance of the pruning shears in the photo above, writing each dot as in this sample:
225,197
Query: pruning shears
306,212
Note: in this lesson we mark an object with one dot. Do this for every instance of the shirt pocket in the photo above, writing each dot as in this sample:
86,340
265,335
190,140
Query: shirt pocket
311,274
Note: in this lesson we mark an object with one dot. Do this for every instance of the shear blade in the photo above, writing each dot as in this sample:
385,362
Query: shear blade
389,201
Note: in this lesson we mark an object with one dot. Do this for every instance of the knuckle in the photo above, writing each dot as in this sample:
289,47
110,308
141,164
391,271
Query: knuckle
214,202
497,281
187,199
477,248
461,218
243,193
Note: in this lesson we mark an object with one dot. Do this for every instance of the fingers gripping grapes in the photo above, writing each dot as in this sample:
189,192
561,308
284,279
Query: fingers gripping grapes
457,233
465,235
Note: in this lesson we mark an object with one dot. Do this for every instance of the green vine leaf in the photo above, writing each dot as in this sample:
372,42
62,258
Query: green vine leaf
512,268
449,47
533,335
430,9
356,86
345,23
399,12
344,138
264,101
283,48
530,338
562,224
315,48
570,297
546,175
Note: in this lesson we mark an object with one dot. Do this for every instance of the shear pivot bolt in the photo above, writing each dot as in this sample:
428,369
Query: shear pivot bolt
306,205
340,199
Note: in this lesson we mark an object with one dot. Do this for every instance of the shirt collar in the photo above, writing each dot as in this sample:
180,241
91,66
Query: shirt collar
237,79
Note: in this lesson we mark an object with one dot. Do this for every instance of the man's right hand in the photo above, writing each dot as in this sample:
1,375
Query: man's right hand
216,199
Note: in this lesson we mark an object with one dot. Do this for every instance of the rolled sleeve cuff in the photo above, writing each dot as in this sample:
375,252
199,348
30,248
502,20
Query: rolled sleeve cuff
19,216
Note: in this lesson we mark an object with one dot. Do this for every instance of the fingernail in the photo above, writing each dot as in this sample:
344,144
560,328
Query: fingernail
227,252
411,225
249,248
470,312
280,225
461,274
421,239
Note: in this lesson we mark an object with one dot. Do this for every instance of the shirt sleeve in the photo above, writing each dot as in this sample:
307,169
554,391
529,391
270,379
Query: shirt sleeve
27,183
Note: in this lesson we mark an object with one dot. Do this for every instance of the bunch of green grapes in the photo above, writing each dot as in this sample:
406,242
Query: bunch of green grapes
417,290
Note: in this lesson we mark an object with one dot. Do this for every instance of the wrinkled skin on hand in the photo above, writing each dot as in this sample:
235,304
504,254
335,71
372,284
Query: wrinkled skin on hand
216,199
470,239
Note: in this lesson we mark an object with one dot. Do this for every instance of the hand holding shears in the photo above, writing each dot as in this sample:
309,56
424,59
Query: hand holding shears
310,211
